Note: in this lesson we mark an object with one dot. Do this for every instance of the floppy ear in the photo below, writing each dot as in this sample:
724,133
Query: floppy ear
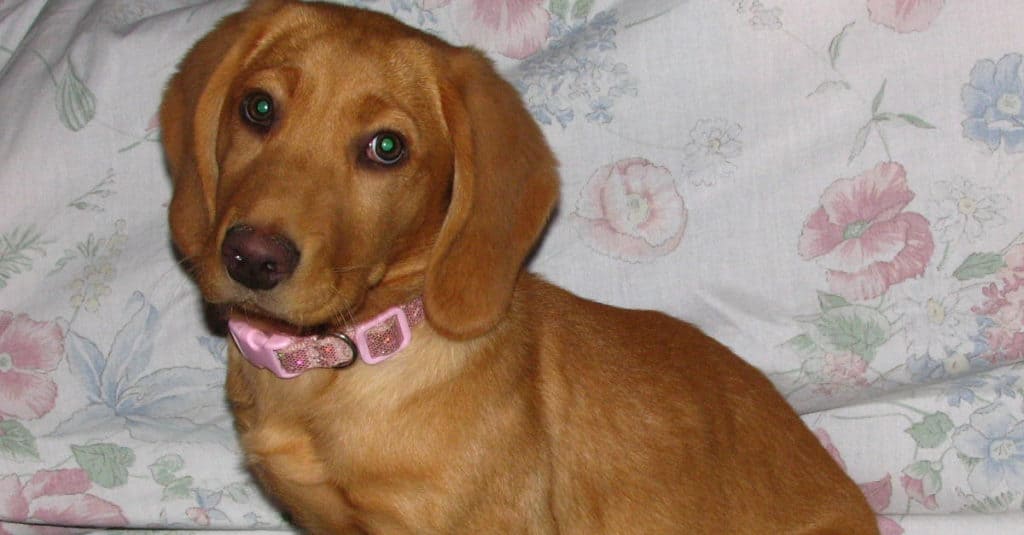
505,186
190,118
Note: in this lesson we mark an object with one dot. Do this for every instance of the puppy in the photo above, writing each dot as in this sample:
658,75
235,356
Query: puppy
359,198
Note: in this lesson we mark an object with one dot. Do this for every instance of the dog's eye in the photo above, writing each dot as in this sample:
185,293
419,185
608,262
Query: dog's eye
258,109
386,148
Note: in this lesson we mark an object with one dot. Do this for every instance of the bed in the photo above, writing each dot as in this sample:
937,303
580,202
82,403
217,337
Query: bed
833,189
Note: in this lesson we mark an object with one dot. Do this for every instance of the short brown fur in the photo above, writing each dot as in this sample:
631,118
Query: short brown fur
518,408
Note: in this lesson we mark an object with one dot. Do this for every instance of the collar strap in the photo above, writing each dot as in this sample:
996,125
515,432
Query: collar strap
372,341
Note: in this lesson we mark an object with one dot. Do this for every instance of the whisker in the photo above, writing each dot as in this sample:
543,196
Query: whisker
349,269
344,315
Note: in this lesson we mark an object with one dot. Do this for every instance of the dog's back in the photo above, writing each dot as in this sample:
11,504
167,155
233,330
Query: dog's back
700,441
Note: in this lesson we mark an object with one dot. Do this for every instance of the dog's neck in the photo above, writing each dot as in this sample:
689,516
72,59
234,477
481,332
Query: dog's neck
372,341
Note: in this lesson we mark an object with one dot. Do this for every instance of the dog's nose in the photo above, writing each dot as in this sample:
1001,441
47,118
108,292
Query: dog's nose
256,259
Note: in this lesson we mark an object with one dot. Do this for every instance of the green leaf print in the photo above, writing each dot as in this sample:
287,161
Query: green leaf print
17,442
559,8
16,251
979,265
829,301
877,122
804,346
992,504
76,104
877,101
106,464
914,120
932,431
860,141
835,46
177,489
163,469
165,472
857,329
581,9
928,473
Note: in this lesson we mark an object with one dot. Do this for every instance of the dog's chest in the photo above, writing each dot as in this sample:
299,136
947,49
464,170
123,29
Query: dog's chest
388,437
403,444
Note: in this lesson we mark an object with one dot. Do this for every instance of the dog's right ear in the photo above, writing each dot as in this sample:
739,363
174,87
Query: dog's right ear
190,117
504,188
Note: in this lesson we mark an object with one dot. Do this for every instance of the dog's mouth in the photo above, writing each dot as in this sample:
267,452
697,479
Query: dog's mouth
271,323
320,319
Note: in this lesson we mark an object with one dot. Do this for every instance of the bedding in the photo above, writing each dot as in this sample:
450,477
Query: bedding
832,189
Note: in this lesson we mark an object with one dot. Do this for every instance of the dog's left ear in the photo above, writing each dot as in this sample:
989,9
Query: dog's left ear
190,115
505,187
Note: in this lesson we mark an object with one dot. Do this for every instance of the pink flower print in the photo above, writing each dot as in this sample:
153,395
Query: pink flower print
905,16
878,493
888,526
862,236
826,442
1007,346
631,210
1004,306
922,480
845,371
56,497
154,123
29,351
512,28
879,496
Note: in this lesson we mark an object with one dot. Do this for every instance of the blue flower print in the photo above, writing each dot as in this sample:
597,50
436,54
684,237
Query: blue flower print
994,102
410,12
206,511
963,390
173,404
1006,385
577,74
995,439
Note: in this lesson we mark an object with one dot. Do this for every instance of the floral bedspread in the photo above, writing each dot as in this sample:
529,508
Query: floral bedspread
834,189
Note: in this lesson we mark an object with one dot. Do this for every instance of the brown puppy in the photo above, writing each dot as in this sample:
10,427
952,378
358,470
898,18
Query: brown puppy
330,164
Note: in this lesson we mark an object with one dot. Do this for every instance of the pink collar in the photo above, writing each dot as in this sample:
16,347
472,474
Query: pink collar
372,341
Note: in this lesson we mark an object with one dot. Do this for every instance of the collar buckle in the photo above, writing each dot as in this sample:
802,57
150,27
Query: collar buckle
351,346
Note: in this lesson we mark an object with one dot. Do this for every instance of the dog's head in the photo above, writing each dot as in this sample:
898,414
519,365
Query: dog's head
321,154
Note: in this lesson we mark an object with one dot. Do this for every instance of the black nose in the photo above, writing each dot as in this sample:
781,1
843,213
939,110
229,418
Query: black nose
256,259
